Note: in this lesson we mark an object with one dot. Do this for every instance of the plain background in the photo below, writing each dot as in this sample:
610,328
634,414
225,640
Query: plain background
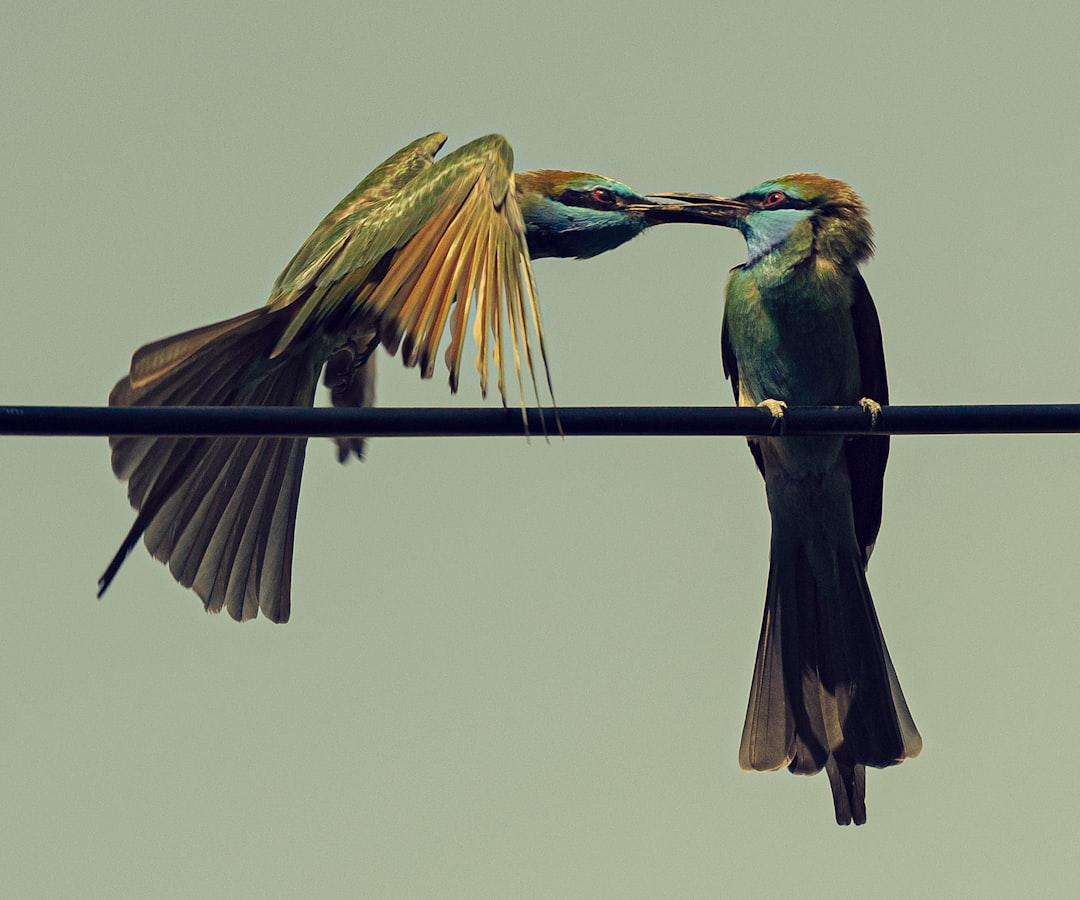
517,669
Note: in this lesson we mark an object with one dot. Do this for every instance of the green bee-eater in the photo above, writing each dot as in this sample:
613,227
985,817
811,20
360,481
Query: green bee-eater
416,245
800,328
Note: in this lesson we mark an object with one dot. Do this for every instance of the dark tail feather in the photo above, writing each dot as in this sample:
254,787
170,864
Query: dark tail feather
824,693
848,782
129,542
219,511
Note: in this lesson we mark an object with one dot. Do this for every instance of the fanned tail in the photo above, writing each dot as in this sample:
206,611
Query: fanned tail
219,511
824,693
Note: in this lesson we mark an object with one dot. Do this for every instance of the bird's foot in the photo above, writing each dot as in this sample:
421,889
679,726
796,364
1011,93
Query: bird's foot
776,407
872,407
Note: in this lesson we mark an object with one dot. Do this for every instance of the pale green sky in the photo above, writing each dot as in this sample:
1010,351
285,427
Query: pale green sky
518,670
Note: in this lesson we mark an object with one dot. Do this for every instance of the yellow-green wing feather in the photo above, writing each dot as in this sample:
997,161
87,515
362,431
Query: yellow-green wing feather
448,233
334,231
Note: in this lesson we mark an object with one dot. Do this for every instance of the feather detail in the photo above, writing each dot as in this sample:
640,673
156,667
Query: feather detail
824,692
417,249
452,233
219,511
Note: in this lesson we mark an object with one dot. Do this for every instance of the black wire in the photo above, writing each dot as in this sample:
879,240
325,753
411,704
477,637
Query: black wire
582,420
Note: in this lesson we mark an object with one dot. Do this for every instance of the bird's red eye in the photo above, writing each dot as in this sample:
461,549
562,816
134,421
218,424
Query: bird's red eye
603,196
775,198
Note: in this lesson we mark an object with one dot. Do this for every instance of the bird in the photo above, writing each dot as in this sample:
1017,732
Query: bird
799,327
410,252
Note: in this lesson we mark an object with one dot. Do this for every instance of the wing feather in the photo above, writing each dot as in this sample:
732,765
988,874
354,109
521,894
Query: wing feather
430,290
452,234
459,269
868,455
416,245
538,329
731,372
477,283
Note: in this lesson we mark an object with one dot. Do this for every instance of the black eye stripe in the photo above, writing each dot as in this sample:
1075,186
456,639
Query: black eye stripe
788,202
588,198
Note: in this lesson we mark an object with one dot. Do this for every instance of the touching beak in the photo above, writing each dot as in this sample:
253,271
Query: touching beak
705,209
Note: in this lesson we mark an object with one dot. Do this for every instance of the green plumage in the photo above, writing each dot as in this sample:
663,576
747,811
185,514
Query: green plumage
379,216
800,329
418,251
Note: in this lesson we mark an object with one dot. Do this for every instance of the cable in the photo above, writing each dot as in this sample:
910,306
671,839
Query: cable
574,421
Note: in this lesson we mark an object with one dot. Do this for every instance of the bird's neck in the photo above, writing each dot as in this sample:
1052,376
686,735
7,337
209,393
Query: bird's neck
784,237
777,247
783,248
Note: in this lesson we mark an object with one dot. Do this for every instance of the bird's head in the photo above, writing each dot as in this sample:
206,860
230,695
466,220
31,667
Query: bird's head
582,215
800,214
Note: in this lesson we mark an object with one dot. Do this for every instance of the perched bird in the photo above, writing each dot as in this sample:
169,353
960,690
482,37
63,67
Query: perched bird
800,328
416,245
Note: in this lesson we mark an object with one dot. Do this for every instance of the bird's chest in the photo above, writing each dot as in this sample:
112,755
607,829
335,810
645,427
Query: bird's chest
793,340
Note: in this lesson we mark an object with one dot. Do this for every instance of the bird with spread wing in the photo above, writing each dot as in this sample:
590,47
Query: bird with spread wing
419,247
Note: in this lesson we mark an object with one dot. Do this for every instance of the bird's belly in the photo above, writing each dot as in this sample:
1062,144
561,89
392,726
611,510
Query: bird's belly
825,374
808,383
796,345
805,473
808,461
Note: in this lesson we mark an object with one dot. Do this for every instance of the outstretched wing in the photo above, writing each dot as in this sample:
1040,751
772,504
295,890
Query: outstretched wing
450,233
342,227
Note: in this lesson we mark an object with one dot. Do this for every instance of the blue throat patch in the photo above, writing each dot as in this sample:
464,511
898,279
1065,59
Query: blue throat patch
553,229
767,229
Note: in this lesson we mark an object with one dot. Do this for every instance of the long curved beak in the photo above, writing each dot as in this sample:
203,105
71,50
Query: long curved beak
706,209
